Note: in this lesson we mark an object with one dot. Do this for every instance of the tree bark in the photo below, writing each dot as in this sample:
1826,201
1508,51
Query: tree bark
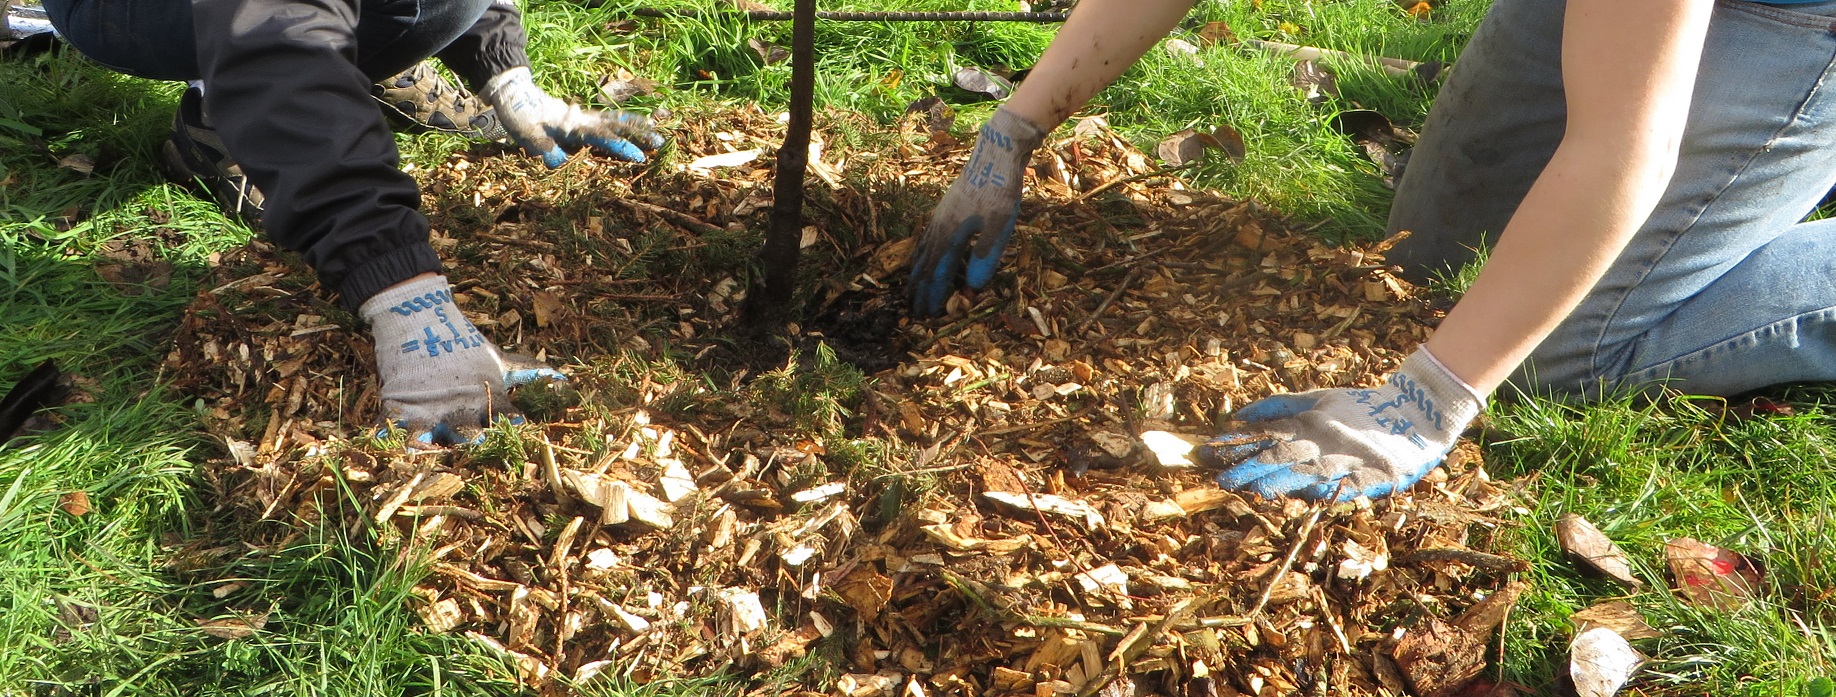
768,305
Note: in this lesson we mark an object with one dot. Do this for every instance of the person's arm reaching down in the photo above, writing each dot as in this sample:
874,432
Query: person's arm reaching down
1629,70
1101,39
1629,67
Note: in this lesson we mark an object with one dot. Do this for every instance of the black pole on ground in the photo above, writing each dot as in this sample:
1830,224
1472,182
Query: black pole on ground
768,304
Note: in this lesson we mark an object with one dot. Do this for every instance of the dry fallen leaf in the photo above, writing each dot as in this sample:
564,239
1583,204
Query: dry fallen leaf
1186,146
867,591
619,90
1617,615
983,83
1581,539
1316,83
1709,576
1231,142
1214,33
234,627
893,255
1180,48
76,503
768,52
1487,614
78,162
1600,662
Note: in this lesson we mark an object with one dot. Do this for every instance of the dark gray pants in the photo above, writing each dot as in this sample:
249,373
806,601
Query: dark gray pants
287,86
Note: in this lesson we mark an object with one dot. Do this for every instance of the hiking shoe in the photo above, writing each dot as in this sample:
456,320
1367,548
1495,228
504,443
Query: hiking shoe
420,97
195,156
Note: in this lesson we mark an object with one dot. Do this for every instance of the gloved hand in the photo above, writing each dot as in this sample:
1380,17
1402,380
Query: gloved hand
549,128
983,203
1378,441
442,381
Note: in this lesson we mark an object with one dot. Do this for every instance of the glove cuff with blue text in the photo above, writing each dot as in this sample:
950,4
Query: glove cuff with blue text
1450,403
434,365
1026,135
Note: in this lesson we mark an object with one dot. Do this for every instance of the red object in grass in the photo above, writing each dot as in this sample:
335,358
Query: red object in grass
1709,576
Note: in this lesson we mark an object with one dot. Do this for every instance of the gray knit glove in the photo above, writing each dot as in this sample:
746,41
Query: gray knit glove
442,381
1377,441
549,128
984,203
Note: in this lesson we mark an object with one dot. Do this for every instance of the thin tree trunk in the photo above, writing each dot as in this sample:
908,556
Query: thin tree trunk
768,306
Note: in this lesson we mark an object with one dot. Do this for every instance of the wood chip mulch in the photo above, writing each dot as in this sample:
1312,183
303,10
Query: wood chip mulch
989,518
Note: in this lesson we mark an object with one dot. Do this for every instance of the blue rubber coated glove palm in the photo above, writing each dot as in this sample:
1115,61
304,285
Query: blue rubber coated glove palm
442,382
1376,441
984,204
549,128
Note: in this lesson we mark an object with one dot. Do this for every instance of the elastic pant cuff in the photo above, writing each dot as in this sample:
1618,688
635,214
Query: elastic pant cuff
386,270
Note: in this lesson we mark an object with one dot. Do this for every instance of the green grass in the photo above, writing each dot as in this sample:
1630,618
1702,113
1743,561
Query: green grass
1649,472
98,605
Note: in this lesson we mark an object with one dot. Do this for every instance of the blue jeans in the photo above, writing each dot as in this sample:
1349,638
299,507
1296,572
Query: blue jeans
1724,289
154,38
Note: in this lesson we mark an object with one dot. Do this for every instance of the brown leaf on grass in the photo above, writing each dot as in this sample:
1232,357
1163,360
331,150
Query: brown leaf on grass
76,503
78,162
1231,142
1487,614
982,82
1441,658
234,627
1380,139
768,52
1215,33
1617,615
72,618
1709,576
1186,146
1315,82
617,90
1586,543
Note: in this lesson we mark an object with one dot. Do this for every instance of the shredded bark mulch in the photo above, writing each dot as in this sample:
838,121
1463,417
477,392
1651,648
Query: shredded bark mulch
1006,506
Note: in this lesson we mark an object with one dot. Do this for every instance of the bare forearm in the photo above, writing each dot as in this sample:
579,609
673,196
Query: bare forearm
1570,226
1100,41
1629,67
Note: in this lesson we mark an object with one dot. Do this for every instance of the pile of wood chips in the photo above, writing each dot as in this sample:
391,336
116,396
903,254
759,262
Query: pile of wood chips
1024,537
